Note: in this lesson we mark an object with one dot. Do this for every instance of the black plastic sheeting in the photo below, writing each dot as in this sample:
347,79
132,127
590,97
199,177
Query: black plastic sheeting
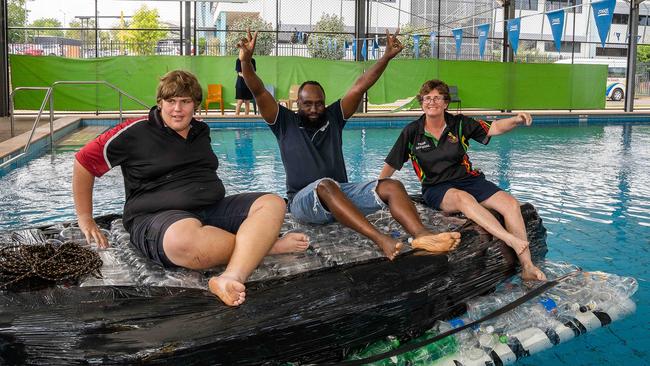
314,316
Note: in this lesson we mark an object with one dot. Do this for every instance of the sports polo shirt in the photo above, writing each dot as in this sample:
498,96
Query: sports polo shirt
310,155
439,161
161,170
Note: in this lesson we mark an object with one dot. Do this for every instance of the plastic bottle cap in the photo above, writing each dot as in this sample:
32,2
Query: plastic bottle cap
489,329
503,339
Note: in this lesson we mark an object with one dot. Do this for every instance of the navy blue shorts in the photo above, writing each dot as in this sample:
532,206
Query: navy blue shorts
148,231
479,187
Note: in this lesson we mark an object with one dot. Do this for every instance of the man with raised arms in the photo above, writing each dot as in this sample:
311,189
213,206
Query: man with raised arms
310,144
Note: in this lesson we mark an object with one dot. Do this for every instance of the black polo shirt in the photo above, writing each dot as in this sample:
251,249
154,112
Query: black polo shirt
161,170
309,155
439,161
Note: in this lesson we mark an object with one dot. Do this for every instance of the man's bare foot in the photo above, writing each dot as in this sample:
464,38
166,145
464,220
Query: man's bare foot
436,243
532,273
290,243
390,246
230,290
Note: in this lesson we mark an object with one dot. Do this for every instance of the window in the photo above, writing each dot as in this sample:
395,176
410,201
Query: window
620,18
611,52
526,4
643,20
616,72
560,4
549,46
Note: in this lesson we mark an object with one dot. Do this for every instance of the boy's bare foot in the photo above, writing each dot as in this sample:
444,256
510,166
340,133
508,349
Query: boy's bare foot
518,245
532,273
290,243
390,246
436,243
229,289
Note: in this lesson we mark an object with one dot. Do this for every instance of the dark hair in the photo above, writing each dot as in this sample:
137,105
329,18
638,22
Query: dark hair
310,82
179,83
431,85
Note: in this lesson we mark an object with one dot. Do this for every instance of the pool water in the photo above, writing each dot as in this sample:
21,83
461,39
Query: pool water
590,185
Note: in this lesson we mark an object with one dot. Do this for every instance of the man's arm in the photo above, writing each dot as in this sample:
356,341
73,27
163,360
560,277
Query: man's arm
502,126
82,190
265,101
352,98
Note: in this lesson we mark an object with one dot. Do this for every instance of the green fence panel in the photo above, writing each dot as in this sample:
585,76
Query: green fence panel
491,85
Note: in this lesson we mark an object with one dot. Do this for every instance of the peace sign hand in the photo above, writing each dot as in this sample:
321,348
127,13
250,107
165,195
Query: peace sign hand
393,45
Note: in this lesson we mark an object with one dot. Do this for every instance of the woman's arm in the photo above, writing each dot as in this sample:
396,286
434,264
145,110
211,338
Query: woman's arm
386,172
502,126
82,190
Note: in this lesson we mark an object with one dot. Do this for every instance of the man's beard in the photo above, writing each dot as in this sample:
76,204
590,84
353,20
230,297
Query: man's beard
308,123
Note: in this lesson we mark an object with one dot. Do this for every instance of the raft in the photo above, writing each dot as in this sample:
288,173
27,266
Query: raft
317,306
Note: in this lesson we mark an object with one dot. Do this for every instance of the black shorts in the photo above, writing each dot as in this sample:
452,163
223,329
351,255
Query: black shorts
148,231
479,187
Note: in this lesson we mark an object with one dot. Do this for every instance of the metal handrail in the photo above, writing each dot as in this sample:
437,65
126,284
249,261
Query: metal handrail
49,96
102,82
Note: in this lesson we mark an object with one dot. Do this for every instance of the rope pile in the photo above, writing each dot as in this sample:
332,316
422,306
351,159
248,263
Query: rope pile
46,261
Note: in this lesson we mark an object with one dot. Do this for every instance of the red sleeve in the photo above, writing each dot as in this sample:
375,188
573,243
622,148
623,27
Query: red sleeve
95,156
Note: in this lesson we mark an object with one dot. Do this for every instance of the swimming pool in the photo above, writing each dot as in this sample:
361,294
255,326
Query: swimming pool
588,183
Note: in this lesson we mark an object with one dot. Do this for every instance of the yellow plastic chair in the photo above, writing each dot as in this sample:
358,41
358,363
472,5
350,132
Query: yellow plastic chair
214,96
293,96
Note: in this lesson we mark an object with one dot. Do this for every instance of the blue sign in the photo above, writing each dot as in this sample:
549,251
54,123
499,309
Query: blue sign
483,31
603,13
346,45
432,40
364,50
514,27
556,19
458,37
354,48
416,45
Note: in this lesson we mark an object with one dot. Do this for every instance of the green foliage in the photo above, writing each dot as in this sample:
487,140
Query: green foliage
265,40
322,45
406,38
643,53
17,18
142,42
49,23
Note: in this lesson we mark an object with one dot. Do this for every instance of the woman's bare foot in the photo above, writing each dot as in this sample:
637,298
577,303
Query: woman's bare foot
389,246
532,273
290,243
518,245
229,289
436,243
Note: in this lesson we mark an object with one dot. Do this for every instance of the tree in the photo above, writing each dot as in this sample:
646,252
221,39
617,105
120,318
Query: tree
48,23
143,42
329,45
643,54
17,13
406,38
265,40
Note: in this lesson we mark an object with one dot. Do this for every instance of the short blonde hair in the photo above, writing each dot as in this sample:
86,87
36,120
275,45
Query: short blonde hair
179,83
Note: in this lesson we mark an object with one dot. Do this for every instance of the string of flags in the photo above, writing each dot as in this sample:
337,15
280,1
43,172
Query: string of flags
603,11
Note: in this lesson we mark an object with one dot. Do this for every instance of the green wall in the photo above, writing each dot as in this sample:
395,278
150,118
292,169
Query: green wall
490,85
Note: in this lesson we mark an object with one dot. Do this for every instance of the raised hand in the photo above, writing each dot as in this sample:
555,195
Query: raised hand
393,45
247,46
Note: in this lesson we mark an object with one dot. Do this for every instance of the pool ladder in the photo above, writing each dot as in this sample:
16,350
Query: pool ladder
49,98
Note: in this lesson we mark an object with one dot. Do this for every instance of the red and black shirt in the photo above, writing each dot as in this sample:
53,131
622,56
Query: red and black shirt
437,161
161,170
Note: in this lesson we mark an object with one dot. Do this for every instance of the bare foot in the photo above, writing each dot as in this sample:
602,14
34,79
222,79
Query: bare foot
532,273
230,290
436,243
290,243
390,246
518,245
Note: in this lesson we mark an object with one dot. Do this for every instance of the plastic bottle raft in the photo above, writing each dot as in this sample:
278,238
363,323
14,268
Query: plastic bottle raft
339,295
575,307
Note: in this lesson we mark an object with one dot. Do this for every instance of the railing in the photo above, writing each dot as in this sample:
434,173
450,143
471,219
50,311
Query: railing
49,97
